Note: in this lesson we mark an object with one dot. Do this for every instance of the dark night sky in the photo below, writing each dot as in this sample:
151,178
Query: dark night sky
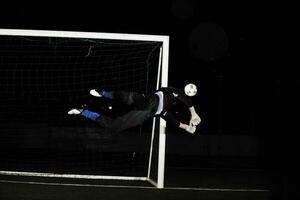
236,53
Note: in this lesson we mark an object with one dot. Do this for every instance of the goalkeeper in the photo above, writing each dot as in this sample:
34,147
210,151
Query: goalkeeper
155,104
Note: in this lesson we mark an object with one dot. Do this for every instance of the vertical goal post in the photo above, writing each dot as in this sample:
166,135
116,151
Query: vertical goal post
162,81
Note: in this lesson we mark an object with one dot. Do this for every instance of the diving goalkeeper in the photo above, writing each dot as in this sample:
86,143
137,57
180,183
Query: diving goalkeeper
155,104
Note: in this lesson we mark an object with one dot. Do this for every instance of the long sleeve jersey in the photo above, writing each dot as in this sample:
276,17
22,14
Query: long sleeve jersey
168,98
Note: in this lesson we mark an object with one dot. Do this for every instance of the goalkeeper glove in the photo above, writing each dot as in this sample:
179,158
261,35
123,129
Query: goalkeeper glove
190,129
195,119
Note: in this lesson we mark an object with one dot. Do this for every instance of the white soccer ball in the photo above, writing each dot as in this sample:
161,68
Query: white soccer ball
190,89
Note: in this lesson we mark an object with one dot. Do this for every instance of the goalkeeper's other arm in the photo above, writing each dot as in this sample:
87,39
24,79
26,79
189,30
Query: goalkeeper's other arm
170,118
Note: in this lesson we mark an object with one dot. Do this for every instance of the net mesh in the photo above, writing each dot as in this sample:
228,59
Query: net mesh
41,78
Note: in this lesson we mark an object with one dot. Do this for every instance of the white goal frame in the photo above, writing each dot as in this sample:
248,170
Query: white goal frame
162,81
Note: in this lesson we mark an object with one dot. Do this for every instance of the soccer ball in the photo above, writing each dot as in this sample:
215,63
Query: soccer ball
190,89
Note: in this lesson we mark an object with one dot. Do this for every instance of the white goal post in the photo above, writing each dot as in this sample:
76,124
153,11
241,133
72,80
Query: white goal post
162,81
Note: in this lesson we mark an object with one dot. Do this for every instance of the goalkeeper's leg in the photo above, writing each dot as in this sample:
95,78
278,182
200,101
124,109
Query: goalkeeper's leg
130,119
129,98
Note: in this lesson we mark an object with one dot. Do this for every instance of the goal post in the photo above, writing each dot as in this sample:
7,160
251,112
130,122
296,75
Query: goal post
144,45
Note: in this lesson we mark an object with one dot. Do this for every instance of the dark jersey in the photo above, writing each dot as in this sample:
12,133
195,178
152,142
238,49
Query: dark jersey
152,102
170,96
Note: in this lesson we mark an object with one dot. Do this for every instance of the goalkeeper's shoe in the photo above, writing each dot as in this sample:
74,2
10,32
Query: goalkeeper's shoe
77,111
96,93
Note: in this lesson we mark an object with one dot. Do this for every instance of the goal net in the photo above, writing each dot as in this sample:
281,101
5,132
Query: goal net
43,74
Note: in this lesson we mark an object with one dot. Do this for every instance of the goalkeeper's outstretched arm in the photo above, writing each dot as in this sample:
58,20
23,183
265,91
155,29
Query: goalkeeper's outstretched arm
195,119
